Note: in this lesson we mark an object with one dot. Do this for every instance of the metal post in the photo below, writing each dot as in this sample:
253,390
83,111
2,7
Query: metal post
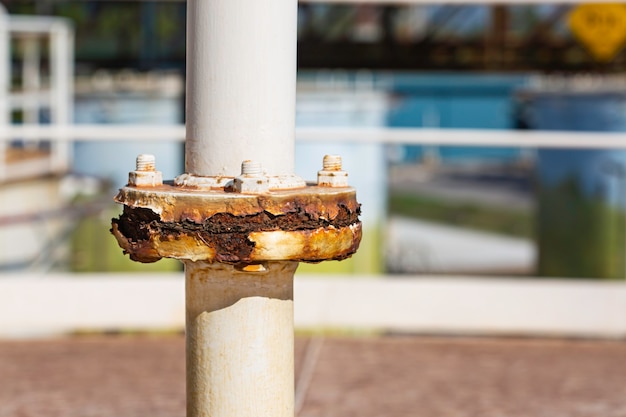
241,81
240,340
241,70
62,87
240,226
31,80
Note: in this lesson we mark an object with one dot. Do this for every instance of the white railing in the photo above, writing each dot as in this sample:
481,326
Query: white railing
460,305
33,94
384,135
69,302
36,305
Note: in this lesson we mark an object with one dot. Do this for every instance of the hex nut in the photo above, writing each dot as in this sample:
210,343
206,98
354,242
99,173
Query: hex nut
251,184
332,178
251,180
145,178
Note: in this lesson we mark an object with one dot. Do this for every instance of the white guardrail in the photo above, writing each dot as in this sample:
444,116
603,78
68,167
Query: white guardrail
38,305
385,135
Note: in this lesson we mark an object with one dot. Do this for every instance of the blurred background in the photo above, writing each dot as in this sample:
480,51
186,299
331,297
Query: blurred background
486,141
423,76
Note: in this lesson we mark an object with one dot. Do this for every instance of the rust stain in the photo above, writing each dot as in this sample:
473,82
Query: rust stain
140,251
310,225
173,204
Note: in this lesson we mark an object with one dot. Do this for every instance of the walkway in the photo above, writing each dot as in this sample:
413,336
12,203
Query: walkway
138,376
417,246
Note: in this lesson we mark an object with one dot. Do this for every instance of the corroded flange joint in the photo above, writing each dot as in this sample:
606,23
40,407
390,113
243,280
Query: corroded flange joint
310,224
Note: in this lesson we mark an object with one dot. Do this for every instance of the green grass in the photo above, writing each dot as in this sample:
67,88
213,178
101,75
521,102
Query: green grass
94,249
511,222
584,235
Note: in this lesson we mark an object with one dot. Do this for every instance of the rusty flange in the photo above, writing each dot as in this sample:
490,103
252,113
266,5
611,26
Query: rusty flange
309,224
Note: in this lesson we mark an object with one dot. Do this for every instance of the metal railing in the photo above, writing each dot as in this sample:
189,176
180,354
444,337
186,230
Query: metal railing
34,94
458,305
382,135
413,304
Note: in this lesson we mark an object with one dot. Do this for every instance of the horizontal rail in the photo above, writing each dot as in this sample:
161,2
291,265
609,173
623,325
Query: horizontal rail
93,132
418,304
468,137
385,135
21,100
37,25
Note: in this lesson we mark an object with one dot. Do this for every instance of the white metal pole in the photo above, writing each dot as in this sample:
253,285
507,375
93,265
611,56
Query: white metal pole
241,68
239,330
31,80
61,89
241,78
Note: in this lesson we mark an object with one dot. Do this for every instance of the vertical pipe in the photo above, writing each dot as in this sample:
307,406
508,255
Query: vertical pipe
239,341
241,69
241,65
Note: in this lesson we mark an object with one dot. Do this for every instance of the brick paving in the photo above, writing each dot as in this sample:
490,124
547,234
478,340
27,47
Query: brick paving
128,376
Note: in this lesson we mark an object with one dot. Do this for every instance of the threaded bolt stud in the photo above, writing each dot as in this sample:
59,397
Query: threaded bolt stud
332,163
250,168
145,162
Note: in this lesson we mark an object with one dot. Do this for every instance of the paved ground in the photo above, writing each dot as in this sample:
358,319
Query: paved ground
417,246
128,376
494,185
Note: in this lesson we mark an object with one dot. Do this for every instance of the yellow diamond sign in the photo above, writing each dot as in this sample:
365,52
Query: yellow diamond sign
601,28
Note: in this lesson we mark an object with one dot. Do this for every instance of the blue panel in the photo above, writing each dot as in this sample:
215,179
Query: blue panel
455,101
481,112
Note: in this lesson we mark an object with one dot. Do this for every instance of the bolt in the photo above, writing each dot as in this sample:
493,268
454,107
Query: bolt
145,173
251,180
331,174
145,162
331,163
252,168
